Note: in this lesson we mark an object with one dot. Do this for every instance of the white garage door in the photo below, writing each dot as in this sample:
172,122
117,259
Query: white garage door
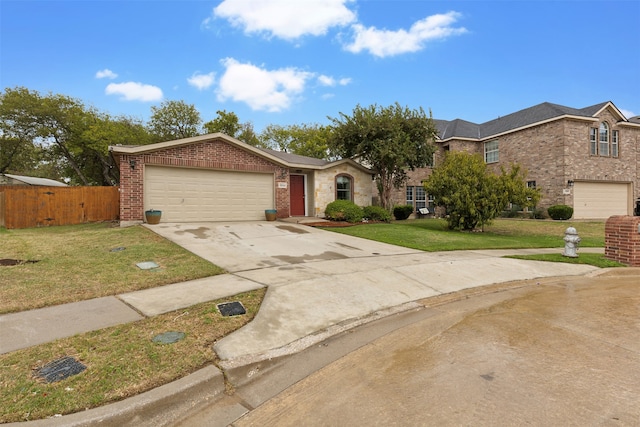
600,200
192,195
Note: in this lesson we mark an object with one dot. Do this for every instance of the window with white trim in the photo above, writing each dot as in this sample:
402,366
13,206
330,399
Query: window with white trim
344,187
409,195
593,141
603,141
603,146
421,198
491,151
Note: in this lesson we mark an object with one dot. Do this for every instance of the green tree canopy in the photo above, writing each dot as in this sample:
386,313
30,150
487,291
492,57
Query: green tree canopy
229,124
309,140
471,194
390,140
174,120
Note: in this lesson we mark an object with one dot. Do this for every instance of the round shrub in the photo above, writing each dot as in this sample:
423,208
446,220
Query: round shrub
401,212
560,212
344,210
376,213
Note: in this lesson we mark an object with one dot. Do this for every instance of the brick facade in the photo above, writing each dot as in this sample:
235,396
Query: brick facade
216,154
555,152
622,239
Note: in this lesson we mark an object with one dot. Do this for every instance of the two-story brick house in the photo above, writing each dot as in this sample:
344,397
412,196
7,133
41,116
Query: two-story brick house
587,158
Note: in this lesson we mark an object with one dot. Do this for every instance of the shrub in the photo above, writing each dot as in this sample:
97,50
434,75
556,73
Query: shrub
560,212
377,213
401,212
344,210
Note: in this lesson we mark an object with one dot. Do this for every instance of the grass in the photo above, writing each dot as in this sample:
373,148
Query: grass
597,260
76,263
121,361
432,235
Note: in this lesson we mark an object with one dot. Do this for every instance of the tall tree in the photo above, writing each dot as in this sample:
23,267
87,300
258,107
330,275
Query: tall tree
309,140
229,124
471,194
390,140
103,131
174,120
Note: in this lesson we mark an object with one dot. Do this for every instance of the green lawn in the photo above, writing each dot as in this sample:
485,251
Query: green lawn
432,235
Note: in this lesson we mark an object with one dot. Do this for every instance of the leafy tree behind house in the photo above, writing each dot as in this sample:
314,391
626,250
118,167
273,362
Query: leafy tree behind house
309,140
390,140
229,124
471,194
56,136
174,120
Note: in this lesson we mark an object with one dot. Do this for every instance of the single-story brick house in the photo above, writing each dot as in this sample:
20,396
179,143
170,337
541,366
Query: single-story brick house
218,178
587,158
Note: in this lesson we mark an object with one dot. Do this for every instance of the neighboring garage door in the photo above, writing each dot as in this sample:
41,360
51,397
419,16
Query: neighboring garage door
192,195
600,200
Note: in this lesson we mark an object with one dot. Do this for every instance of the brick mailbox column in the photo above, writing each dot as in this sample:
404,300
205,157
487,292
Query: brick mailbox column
622,239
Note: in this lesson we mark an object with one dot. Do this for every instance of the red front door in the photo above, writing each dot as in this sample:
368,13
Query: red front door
296,195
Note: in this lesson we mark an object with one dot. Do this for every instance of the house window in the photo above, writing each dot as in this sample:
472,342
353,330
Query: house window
417,197
593,141
491,151
531,184
409,197
603,146
614,143
344,189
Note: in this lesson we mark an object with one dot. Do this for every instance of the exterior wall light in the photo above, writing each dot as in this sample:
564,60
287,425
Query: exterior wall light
570,183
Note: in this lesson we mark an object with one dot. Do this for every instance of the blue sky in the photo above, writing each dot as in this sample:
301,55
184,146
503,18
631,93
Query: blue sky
298,61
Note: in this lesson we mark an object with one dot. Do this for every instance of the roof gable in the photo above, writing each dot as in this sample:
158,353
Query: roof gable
527,117
288,160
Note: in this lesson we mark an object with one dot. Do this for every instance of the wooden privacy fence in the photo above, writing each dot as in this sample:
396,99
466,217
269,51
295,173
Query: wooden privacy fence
24,206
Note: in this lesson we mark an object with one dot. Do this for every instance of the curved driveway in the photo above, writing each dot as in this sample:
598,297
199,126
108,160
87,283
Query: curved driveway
322,282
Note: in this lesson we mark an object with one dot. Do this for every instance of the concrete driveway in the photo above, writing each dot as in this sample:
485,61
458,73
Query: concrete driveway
320,282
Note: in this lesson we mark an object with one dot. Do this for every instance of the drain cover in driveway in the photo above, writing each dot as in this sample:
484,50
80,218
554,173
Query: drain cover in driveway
60,369
231,308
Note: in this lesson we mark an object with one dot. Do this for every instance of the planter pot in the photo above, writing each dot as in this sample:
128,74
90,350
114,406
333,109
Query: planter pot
152,216
270,214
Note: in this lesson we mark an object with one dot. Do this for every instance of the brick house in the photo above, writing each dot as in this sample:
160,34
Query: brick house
218,178
587,158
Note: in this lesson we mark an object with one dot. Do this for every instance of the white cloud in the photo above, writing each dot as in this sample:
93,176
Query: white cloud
286,19
133,91
331,82
106,74
202,81
628,113
261,89
383,43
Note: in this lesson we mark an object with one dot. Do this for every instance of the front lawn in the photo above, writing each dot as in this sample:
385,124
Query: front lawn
432,235
79,262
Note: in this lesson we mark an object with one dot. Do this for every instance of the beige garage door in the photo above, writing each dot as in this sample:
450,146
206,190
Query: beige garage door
600,200
192,195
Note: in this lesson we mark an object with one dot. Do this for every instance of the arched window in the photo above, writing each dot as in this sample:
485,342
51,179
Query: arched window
344,187
604,139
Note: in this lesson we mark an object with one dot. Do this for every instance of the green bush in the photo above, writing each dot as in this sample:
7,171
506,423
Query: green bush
401,212
560,212
344,210
377,213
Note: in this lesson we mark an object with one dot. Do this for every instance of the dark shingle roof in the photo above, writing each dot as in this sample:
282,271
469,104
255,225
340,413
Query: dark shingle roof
295,158
538,113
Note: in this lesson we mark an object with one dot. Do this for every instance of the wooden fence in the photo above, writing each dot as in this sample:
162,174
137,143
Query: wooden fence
23,206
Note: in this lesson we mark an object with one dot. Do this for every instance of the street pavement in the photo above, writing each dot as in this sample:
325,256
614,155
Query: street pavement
320,284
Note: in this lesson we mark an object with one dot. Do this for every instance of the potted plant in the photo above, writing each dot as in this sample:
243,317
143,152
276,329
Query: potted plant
152,216
270,214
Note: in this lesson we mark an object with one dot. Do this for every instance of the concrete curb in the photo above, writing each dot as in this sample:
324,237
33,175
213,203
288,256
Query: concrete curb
162,406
